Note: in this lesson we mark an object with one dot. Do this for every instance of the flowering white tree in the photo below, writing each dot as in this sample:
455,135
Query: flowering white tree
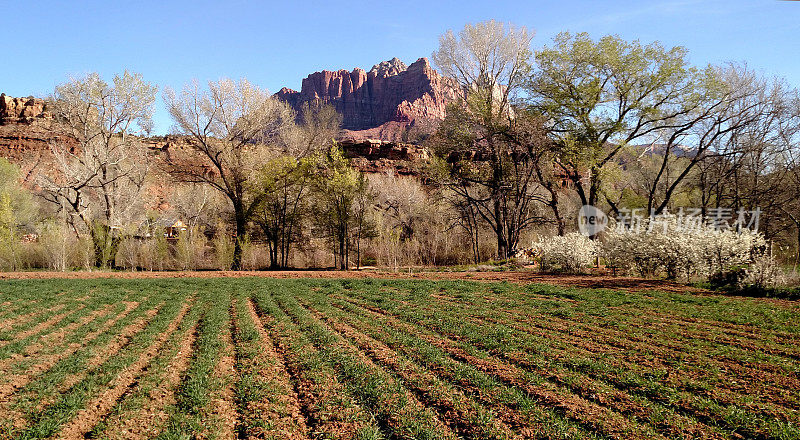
568,253
665,244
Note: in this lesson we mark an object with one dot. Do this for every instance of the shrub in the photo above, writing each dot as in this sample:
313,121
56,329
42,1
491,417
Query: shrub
190,248
569,253
666,246
223,249
59,248
763,273
658,247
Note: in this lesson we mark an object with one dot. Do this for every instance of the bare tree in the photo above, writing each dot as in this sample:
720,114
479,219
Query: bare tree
228,128
734,102
99,177
487,164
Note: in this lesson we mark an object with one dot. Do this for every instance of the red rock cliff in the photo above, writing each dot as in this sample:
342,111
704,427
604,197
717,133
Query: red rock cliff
21,110
380,103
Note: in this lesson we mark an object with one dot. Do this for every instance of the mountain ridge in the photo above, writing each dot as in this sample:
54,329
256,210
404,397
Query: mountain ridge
382,103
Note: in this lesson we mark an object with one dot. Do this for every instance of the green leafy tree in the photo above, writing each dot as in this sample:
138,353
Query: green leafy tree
17,211
599,96
284,183
341,203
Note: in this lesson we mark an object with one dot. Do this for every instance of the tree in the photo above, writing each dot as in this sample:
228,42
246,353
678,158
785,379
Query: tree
101,169
488,164
342,199
283,184
17,211
601,96
739,123
228,128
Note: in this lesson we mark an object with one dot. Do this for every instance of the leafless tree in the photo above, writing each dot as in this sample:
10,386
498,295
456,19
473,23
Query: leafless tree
99,176
228,127
489,164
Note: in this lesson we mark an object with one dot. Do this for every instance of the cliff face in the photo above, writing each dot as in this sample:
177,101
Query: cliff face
21,110
381,103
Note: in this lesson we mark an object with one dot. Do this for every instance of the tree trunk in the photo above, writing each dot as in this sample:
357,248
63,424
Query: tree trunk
797,258
342,250
105,246
274,262
237,244
502,245
502,241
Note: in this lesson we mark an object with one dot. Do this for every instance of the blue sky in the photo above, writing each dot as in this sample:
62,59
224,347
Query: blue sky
276,44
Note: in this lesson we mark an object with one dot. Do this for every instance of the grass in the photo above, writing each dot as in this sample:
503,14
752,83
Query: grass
402,359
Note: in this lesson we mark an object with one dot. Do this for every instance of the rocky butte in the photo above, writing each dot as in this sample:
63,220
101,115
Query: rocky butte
384,103
382,110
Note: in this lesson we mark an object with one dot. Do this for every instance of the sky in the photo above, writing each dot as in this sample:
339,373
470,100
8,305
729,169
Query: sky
277,44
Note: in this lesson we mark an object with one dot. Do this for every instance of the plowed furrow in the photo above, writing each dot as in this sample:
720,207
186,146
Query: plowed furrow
689,405
281,412
43,326
145,422
652,338
222,407
399,409
101,405
585,387
627,353
13,382
52,340
7,324
626,350
456,410
329,410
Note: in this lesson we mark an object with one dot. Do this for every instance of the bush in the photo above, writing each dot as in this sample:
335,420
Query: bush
223,249
190,248
569,253
764,273
666,246
59,249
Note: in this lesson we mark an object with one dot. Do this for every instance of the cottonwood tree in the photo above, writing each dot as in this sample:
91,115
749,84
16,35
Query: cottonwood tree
102,165
283,184
342,200
228,128
599,96
485,163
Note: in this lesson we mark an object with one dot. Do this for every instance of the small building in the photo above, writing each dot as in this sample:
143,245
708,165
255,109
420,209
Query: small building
173,228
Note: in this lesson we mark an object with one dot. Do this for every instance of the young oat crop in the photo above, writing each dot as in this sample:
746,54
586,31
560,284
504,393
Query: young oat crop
373,359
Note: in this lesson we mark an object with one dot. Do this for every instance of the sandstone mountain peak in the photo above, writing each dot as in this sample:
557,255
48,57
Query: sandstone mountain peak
384,103
389,68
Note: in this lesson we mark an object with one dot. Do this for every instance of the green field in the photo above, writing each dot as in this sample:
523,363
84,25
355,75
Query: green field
370,359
